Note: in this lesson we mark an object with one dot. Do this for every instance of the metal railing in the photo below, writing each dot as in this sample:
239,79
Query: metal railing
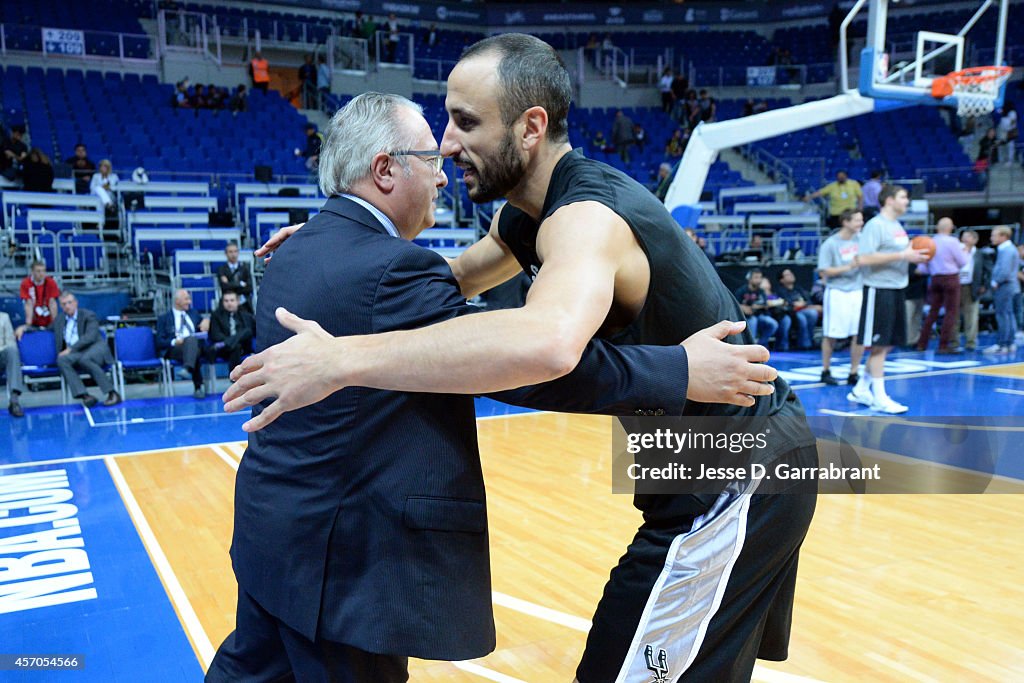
346,53
784,74
189,32
778,170
381,41
125,47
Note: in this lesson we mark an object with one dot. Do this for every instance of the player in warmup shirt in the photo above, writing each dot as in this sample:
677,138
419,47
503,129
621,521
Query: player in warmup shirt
39,292
707,584
884,255
843,294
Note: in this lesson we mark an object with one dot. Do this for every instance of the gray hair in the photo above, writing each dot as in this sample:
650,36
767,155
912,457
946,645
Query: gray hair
363,128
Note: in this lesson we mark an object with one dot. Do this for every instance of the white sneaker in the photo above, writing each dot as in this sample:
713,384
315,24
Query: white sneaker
862,397
887,405
990,350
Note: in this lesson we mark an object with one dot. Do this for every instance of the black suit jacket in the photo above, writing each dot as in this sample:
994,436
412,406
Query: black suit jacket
982,273
361,519
235,279
166,330
88,333
220,327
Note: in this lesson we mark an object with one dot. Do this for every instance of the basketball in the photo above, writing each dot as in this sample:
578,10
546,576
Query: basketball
924,243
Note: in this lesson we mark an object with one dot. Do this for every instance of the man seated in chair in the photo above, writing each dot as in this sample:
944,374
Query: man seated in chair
179,336
231,332
10,358
81,348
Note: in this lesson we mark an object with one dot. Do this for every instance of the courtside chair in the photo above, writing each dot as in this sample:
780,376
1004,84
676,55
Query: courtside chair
135,349
39,360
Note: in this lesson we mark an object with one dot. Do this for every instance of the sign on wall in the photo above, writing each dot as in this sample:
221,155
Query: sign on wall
62,41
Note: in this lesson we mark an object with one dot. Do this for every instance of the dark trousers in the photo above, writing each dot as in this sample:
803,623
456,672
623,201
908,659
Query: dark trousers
91,361
943,292
189,354
262,648
232,354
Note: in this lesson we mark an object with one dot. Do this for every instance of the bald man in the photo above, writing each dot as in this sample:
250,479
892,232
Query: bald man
944,287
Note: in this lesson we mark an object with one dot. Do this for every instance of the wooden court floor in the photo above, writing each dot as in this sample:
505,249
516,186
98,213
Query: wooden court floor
892,587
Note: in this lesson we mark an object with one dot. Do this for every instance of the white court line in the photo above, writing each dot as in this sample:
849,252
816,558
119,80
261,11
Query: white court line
902,668
86,458
1016,392
545,613
918,375
486,673
237,449
88,416
528,412
175,418
580,624
163,567
841,413
226,457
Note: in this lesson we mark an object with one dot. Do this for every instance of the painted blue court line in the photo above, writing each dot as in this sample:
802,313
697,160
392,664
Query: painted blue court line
81,581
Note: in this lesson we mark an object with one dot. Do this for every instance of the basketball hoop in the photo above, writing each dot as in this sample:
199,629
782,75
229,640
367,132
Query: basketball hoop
976,88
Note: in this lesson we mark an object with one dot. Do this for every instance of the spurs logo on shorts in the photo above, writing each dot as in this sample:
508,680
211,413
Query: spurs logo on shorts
659,666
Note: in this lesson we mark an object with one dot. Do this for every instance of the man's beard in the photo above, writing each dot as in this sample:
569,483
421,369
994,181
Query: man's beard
502,176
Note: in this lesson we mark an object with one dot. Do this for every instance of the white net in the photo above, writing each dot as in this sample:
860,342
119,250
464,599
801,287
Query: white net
976,90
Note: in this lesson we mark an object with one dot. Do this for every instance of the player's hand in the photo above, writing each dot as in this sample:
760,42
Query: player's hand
276,240
19,332
726,373
912,255
291,372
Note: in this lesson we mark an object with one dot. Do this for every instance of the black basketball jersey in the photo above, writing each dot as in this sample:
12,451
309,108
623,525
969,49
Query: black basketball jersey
685,294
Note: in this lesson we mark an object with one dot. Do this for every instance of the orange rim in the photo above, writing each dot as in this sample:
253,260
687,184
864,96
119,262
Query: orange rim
980,74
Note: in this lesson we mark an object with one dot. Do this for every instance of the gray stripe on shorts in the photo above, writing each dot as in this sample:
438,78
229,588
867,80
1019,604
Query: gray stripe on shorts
688,591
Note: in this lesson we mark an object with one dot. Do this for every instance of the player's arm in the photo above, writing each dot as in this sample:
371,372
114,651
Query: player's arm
485,264
877,258
30,311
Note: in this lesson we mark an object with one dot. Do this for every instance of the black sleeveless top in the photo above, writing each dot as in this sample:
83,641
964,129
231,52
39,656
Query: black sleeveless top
685,293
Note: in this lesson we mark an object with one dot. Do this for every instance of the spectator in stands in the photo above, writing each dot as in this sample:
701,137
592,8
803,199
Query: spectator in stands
755,250
943,287
798,308
392,43
104,183
1005,286
676,144
359,25
708,107
974,279
870,193
259,69
760,107
748,108
83,169
231,332
599,143
176,338
988,148
215,96
665,88
663,180
37,172
369,29
181,99
81,348
843,294
323,80
314,140
431,37
754,305
592,42
680,86
234,277
843,193
239,100
308,82
38,293
198,99
13,153
10,359
693,111
1007,130
639,137
622,135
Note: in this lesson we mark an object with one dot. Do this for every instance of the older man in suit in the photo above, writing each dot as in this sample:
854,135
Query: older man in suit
180,336
360,535
81,348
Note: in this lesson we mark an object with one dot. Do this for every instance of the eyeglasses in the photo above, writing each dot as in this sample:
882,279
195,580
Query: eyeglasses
431,157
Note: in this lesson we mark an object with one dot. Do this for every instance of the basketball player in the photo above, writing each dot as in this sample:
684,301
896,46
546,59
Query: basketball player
884,255
843,294
707,584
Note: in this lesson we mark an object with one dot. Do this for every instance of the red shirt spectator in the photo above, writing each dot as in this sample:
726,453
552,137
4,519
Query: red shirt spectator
39,291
